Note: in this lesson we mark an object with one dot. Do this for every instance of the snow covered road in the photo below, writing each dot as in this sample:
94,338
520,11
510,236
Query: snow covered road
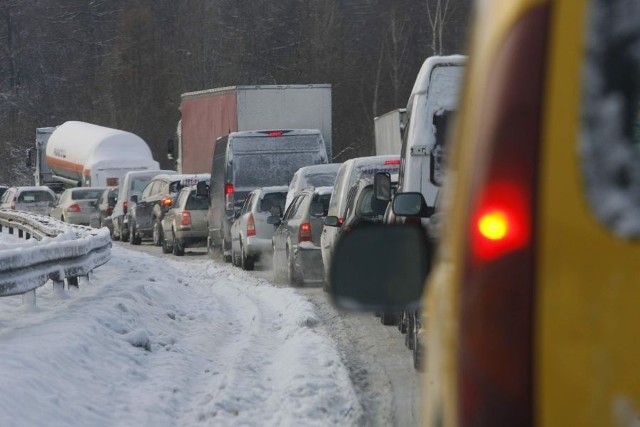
170,343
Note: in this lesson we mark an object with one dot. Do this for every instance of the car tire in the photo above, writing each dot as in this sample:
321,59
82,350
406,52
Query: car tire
177,249
388,319
134,239
408,338
226,258
112,231
158,238
123,236
247,262
402,323
167,247
418,362
292,274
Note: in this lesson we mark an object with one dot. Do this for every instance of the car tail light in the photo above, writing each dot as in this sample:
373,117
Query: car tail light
109,210
340,221
166,202
251,225
304,234
228,196
125,205
497,294
392,162
186,218
74,208
275,133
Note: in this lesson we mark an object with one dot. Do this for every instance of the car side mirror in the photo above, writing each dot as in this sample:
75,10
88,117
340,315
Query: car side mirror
332,221
411,204
382,186
134,198
389,276
274,220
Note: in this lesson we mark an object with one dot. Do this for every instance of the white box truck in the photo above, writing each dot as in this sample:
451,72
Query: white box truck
78,154
210,114
389,129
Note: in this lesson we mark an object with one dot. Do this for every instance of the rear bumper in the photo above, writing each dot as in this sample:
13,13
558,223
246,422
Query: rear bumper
77,218
256,246
309,263
192,238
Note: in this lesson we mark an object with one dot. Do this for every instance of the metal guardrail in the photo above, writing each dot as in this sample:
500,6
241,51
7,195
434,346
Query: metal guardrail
62,251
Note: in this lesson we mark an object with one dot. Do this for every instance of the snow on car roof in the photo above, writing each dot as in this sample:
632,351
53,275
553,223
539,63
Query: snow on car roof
321,191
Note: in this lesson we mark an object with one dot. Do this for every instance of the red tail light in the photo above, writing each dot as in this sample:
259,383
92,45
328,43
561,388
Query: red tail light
74,208
392,162
186,218
228,197
109,210
251,225
304,234
125,205
496,307
275,133
166,202
340,221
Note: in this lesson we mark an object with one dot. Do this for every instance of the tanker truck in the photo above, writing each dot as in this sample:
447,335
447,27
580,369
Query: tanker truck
78,154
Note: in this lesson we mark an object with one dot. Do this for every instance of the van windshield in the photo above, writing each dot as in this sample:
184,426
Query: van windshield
270,169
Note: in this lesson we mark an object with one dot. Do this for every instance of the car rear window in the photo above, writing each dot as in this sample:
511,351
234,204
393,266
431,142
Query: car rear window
33,196
610,134
195,203
86,194
271,200
324,199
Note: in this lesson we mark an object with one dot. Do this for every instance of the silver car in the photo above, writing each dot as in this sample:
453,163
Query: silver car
77,205
185,225
38,200
296,241
250,233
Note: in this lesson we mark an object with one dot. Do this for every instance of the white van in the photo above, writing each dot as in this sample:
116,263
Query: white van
132,184
348,174
432,104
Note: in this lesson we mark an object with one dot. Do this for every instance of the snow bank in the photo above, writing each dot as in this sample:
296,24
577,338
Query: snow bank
189,343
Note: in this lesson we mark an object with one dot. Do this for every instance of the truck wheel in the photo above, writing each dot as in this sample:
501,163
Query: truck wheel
158,238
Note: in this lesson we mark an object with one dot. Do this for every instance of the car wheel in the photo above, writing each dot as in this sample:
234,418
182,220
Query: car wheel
177,249
408,338
292,274
167,246
134,239
123,236
226,258
114,236
158,238
402,323
247,262
417,351
388,319
325,281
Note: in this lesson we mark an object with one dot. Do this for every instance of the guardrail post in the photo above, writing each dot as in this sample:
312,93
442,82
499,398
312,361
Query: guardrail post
20,233
27,236
58,284
0,228
10,230
29,299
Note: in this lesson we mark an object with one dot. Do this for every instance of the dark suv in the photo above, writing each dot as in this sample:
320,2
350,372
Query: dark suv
156,199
